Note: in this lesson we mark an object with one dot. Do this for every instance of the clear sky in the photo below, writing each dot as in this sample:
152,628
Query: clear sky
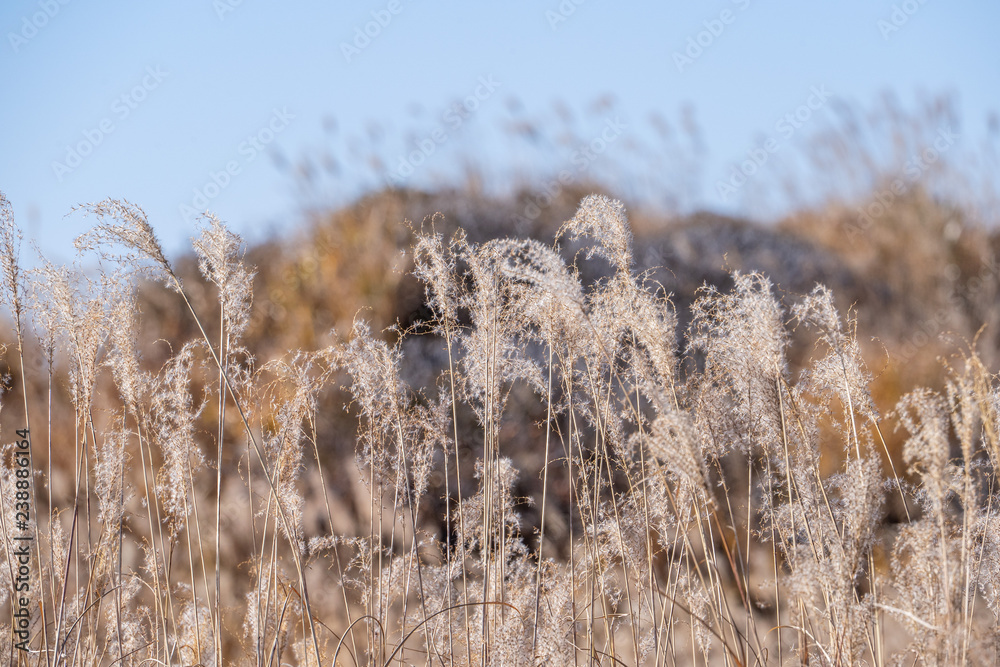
158,102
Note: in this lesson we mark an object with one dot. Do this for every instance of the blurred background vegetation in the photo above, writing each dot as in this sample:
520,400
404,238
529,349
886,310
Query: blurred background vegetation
905,234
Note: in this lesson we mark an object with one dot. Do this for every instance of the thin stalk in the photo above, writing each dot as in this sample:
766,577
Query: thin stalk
545,489
223,353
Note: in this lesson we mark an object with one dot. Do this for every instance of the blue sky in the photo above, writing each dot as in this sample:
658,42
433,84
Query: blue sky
161,102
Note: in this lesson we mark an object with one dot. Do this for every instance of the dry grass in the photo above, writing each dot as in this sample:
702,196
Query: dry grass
551,467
